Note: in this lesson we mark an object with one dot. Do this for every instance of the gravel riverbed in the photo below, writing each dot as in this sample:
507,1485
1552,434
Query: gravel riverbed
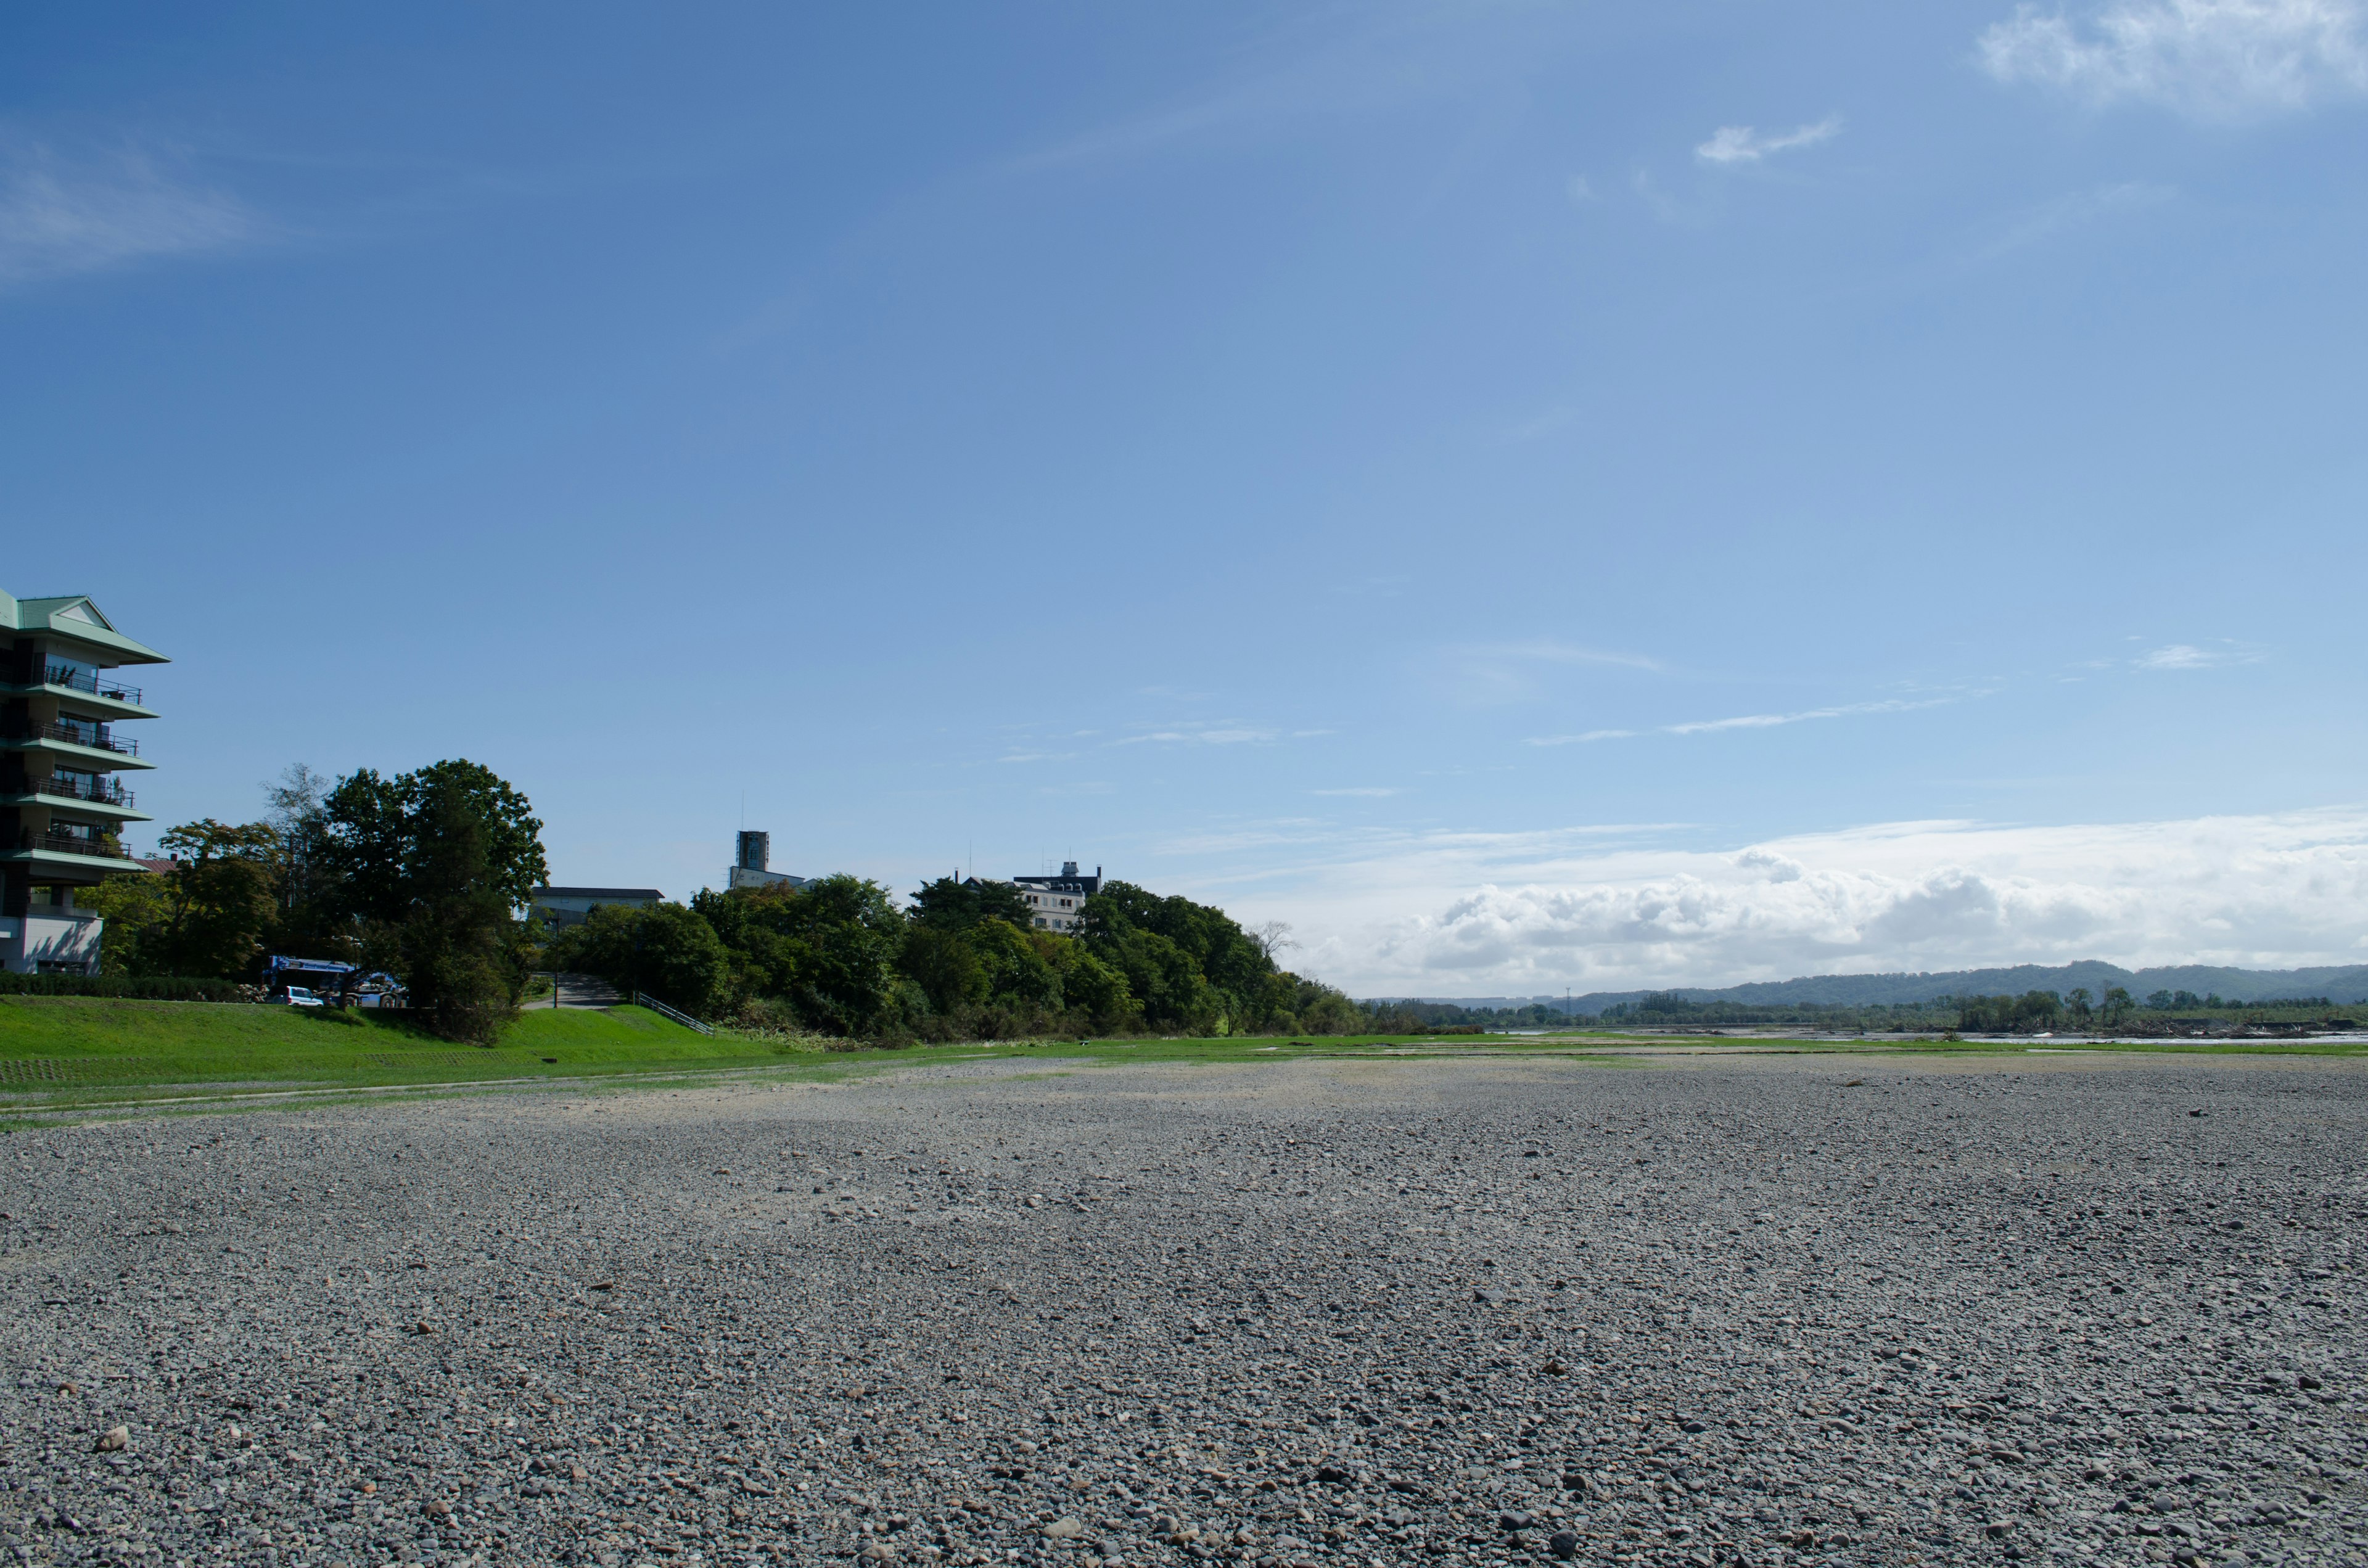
1764,1310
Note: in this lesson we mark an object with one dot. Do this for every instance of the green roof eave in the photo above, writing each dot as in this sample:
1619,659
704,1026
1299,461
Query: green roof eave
47,615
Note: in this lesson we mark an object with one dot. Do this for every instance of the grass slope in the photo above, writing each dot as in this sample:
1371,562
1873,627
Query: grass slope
69,1041
61,1050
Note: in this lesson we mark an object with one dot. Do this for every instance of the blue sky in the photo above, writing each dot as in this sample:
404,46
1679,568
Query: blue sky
1531,494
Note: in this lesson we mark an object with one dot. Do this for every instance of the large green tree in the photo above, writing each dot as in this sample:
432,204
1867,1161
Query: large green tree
830,949
945,966
1194,969
217,899
209,916
309,921
1175,994
436,866
953,903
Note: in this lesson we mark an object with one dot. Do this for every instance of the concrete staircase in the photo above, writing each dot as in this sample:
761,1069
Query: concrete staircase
581,991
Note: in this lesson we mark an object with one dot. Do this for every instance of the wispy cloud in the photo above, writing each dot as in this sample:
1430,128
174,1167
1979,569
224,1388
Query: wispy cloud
2213,59
1560,417
1496,673
1553,652
59,217
775,316
2075,211
1331,66
2187,656
1746,721
1742,144
1198,735
1365,791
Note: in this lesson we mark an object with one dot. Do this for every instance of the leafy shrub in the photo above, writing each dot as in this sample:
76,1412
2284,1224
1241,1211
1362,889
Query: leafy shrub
145,988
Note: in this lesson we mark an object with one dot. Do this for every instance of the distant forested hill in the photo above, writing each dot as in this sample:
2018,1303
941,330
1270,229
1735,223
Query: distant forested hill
2346,983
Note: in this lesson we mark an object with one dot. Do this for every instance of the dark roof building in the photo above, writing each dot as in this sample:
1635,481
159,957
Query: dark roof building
558,908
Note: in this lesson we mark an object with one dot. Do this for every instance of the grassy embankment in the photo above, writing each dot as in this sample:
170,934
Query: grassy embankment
61,1050
63,1044
61,1041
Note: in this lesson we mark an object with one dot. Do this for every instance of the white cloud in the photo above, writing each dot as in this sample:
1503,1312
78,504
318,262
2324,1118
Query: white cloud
59,218
1741,144
1610,909
1198,735
1746,721
2218,58
2076,211
2187,656
1559,417
1334,66
1512,672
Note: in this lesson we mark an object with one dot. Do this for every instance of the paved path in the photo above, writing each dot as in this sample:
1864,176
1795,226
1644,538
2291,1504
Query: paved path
584,991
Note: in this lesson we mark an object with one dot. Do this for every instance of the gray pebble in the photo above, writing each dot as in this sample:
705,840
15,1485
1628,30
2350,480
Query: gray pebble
1168,1315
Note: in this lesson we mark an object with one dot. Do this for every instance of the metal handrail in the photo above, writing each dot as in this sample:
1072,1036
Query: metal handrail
68,788
643,999
81,680
66,843
97,740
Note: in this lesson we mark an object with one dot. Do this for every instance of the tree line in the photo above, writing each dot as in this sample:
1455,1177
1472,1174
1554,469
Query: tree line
425,875
2032,1013
964,961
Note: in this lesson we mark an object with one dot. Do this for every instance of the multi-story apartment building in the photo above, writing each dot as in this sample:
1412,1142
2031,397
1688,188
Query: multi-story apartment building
62,804
1057,904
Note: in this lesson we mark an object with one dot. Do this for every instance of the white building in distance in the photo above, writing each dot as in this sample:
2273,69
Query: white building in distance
1058,903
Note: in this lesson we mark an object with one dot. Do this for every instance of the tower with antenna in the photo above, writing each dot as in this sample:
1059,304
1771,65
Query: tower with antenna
752,857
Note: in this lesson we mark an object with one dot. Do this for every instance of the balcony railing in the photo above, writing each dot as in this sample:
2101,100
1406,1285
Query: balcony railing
106,792
83,680
74,734
67,844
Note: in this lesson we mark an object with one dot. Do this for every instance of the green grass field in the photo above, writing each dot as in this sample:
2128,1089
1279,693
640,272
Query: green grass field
65,1052
50,1045
88,1040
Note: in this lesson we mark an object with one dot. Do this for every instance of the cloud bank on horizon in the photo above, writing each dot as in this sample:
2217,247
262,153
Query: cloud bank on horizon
1607,909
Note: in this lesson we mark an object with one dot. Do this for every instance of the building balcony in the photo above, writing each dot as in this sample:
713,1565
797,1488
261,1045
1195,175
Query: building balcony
103,791
87,742
88,691
104,799
89,681
65,847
